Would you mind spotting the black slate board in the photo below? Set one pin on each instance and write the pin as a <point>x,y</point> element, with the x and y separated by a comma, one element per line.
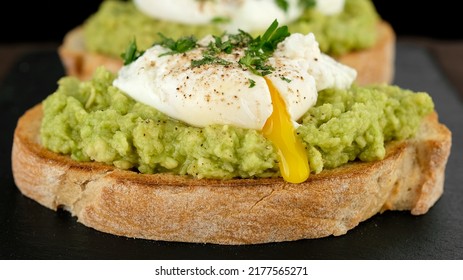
<point>30,231</point>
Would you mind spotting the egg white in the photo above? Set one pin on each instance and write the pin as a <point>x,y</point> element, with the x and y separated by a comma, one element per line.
<point>248,15</point>
<point>218,94</point>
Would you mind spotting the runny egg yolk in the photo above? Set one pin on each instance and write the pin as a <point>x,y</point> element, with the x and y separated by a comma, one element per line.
<point>294,165</point>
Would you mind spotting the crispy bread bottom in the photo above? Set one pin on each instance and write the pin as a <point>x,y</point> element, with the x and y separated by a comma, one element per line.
<point>240,211</point>
<point>374,65</point>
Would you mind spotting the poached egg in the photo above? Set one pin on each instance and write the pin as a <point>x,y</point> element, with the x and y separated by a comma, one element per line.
<point>227,94</point>
<point>249,15</point>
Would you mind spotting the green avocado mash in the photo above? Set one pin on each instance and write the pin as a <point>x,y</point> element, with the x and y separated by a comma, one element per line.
<point>117,23</point>
<point>92,120</point>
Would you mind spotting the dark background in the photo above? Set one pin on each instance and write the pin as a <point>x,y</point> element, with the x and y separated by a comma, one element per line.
<point>391,235</point>
<point>48,21</point>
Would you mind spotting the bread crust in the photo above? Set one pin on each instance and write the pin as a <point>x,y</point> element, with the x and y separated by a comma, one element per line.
<point>79,62</point>
<point>240,211</point>
<point>376,64</point>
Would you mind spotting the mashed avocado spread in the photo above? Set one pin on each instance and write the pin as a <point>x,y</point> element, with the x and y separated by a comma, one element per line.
<point>117,23</point>
<point>93,120</point>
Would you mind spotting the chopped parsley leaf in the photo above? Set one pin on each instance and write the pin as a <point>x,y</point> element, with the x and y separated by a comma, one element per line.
<point>282,4</point>
<point>252,83</point>
<point>220,20</point>
<point>131,53</point>
<point>181,45</point>
<point>208,59</point>
<point>285,79</point>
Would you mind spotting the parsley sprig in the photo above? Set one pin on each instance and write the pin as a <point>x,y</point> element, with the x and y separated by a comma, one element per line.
<point>131,53</point>
<point>261,48</point>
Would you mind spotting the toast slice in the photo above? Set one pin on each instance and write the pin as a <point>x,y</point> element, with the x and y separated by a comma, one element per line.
<point>239,211</point>
<point>80,63</point>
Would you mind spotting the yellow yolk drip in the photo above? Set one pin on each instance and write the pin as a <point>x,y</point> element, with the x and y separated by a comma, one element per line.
<point>279,129</point>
